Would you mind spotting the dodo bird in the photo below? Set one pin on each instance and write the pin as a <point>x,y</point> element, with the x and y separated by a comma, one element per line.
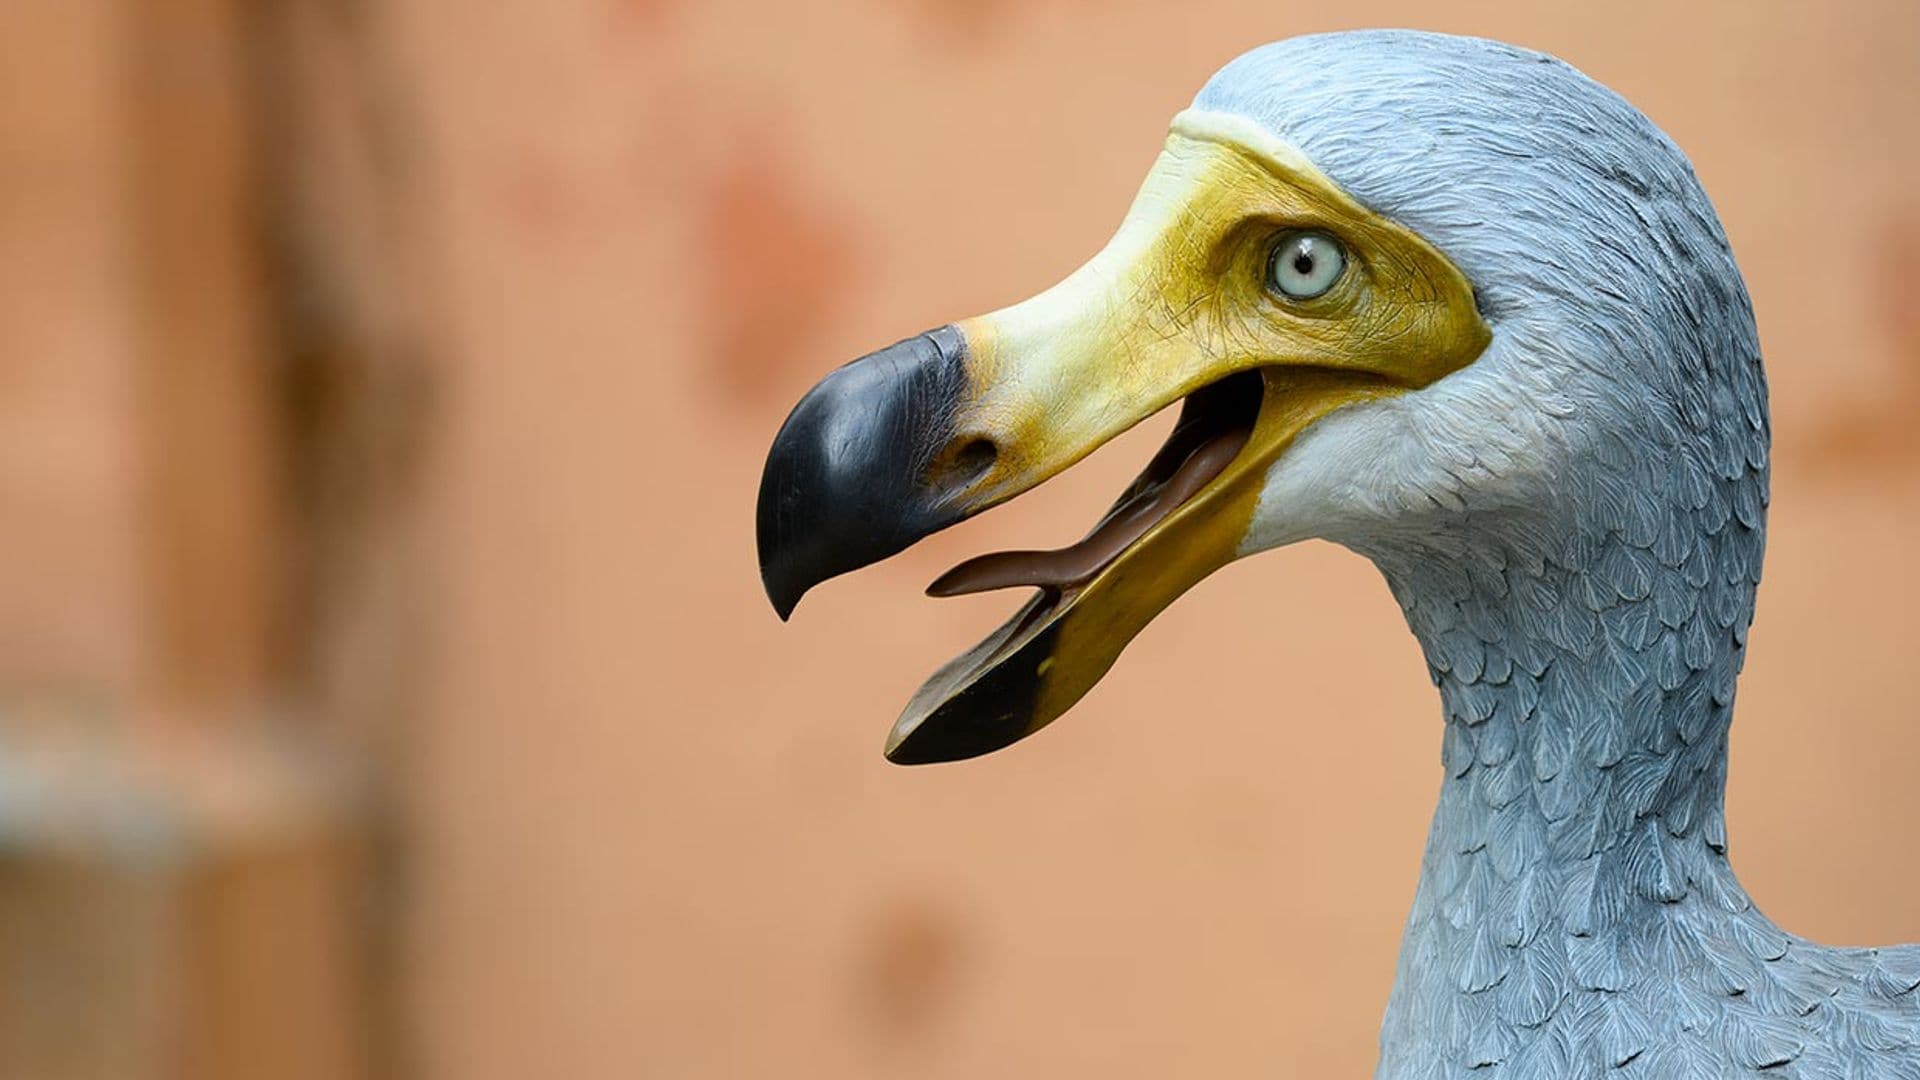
<point>1459,308</point>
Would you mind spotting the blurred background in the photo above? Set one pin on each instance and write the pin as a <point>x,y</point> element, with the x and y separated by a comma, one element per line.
<point>386,690</point>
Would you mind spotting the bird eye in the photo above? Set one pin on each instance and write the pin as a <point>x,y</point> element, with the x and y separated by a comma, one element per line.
<point>1305,265</point>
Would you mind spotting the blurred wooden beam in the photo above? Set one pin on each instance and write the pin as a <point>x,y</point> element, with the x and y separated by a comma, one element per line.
<point>210,521</point>
<point>206,416</point>
<point>182,910</point>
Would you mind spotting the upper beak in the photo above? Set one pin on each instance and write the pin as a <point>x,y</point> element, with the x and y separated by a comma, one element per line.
<point>926,432</point>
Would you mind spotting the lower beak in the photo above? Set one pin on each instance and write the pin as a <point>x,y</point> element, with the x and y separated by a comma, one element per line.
<point>1183,518</point>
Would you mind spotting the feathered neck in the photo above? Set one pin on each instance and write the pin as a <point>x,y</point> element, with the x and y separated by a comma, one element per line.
<point>1579,840</point>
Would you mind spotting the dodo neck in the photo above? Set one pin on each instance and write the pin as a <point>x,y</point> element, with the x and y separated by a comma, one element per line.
<point>1591,697</point>
<point>1587,700</point>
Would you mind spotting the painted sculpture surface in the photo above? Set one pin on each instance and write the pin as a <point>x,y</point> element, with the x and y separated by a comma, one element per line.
<point>1454,306</point>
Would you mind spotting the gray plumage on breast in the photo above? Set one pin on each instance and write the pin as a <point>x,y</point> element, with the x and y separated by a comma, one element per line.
<point>1582,584</point>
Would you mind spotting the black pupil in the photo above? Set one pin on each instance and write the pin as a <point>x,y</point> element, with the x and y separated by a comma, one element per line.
<point>1303,261</point>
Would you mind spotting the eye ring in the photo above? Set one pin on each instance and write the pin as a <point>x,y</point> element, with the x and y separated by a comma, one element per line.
<point>1305,264</point>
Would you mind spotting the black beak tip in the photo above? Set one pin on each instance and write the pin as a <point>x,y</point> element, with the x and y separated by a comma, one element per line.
<point>906,754</point>
<point>784,581</point>
<point>845,483</point>
<point>992,712</point>
<point>791,520</point>
<point>782,595</point>
<point>926,751</point>
<point>972,725</point>
<point>939,743</point>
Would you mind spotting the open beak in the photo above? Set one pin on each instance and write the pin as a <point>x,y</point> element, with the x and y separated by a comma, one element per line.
<point>1177,308</point>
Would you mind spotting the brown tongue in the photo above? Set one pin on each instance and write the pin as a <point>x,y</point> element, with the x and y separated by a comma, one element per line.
<point>1128,522</point>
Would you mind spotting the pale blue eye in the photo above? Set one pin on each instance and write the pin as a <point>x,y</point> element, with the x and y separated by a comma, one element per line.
<point>1305,265</point>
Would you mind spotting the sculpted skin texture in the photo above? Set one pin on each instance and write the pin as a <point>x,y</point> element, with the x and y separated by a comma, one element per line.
<point>1462,310</point>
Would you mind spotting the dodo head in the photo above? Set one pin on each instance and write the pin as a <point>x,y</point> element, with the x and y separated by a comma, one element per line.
<point>1415,293</point>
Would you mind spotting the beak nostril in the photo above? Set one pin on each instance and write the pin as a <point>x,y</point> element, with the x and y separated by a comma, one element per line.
<point>976,458</point>
<point>969,462</point>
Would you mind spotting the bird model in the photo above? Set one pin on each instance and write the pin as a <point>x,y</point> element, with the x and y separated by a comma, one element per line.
<point>1462,310</point>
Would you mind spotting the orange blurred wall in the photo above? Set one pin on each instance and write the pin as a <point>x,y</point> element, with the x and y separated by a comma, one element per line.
<point>658,838</point>
<point>578,257</point>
